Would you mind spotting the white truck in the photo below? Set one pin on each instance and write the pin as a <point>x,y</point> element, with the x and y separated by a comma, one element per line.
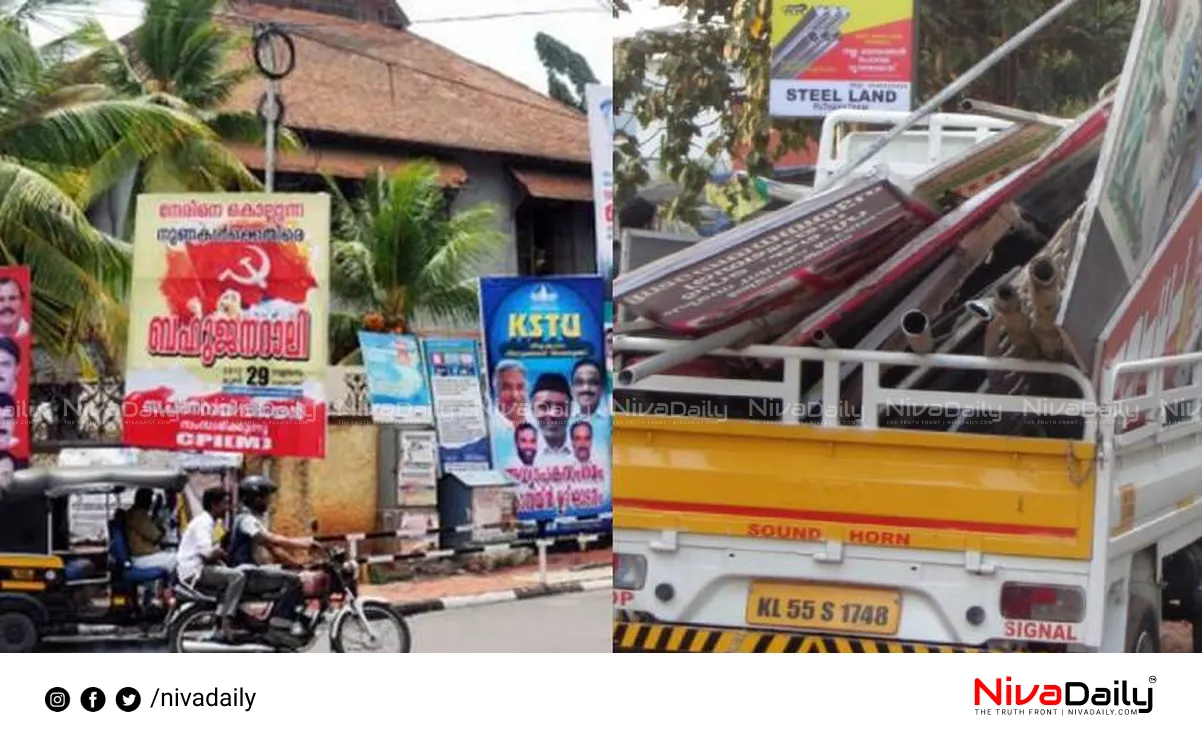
<point>786,536</point>
<point>749,518</point>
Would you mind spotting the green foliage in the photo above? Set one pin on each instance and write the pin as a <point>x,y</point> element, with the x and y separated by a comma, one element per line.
<point>568,72</point>
<point>83,112</point>
<point>52,129</point>
<point>180,58</point>
<point>715,68</point>
<point>1059,72</point>
<point>400,253</point>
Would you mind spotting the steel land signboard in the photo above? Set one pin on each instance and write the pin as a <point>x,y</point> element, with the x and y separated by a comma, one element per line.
<point>751,266</point>
<point>853,54</point>
<point>228,324</point>
<point>1150,162</point>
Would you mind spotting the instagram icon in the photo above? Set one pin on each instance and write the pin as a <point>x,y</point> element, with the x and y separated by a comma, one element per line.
<point>57,699</point>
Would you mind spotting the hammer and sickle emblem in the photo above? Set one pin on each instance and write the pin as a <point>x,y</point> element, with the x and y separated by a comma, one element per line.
<point>255,275</point>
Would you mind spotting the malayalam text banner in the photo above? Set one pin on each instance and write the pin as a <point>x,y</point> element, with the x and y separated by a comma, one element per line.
<point>549,415</point>
<point>228,324</point>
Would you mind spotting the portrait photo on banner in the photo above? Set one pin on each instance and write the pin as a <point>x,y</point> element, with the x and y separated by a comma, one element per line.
<point>16,347</point>
<point>549,411</point>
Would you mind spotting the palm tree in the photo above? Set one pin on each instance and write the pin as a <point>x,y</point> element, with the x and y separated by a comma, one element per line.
<point>399,254</point>
<point>53,129</point>
<point>180,58</point>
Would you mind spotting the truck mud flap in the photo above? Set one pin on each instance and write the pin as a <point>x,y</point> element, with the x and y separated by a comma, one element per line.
<point>632,637</point>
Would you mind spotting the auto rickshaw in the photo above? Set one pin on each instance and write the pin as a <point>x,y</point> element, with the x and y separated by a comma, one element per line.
<point>52,588</point>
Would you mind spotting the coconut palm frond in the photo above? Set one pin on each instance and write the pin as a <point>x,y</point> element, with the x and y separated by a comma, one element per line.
<point>78,273</point>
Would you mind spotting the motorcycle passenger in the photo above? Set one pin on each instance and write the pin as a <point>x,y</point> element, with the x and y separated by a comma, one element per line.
<point>198,564</point>
<point>260,554</point>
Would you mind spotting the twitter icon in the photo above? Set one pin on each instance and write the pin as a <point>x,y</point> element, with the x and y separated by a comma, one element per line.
<point>128,699</point>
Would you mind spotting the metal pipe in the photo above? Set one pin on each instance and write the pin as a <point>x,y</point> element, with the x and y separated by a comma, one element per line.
<point>1045,300</point>
<point>1006,113</point>
<point>825,43</point>
<point>982,308</point>
<point>801,48</point>
<point>960,335</point>
<point>1008,307</point>
<point>957,85</point>
<point>795,37</point>
<point>634,326</point>
<point>678,355</point>
<point>917,328</point>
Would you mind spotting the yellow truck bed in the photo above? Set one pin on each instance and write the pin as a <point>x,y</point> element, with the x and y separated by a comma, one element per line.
<point>888,488</point>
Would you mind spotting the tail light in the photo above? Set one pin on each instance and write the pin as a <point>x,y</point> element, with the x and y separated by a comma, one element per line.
<point>630,572</point>
<point>1043,603</point>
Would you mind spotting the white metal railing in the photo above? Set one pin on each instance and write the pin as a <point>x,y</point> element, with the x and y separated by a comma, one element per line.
<point>1131,419</point>
<point>874,395</point>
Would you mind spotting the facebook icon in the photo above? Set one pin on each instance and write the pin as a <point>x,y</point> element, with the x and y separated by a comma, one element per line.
<point>92,699</point>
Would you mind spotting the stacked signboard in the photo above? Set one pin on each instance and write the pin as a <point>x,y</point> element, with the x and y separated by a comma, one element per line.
<point>1072,243</point>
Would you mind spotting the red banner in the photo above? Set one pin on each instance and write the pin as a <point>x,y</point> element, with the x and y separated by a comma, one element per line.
<point>16,345</point>
<point>1162,316</point>
<point>227,347</point>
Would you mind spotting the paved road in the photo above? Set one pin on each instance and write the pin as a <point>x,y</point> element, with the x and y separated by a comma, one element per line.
<point>575,622</point>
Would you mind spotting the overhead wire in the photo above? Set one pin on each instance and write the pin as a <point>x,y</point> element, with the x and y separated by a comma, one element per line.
<point>306,30</point>
<point>84,14</point>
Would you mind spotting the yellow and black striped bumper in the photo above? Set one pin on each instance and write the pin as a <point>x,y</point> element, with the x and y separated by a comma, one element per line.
<point>635,637</point>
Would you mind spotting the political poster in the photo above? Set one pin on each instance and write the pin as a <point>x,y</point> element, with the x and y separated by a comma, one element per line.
<point>396,379</point>
<point>16,347</point>
<point>855,54</point>
<point>549,411</point>
<point>228,324</point>
<point>600,101</point>
<point>459,419</point>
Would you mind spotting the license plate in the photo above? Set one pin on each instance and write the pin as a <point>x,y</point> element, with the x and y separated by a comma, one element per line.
<point>821,607</point>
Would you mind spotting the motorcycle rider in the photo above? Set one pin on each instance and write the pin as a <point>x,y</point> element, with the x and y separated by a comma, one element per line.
<point>200,557</point>
<point>261,554</point>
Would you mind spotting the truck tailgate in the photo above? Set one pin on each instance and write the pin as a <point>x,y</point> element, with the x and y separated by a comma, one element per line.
<point>885,488</point>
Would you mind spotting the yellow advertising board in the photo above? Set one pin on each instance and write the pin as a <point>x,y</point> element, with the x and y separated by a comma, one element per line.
<point>228,324</point>
<point>854,54</point>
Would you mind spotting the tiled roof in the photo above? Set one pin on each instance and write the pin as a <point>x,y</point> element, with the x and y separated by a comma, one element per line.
<point>543,185</point>
<point>340,162</point>
<point>383,83</point>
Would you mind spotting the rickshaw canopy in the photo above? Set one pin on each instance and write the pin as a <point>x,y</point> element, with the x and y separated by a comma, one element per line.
<point>58,481</point>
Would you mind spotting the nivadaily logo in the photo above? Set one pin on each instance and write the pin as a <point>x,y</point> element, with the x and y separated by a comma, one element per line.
<point>1068,698</point>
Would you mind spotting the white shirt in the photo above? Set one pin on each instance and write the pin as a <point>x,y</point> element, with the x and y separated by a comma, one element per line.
<point>552,456</point>
<point>602,410</point>
<point>195,547</point>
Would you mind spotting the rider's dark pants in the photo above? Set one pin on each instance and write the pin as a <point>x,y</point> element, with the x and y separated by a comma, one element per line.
<point>269,579</point>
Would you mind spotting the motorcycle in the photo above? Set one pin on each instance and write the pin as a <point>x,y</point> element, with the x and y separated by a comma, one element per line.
<point>193,624</point>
